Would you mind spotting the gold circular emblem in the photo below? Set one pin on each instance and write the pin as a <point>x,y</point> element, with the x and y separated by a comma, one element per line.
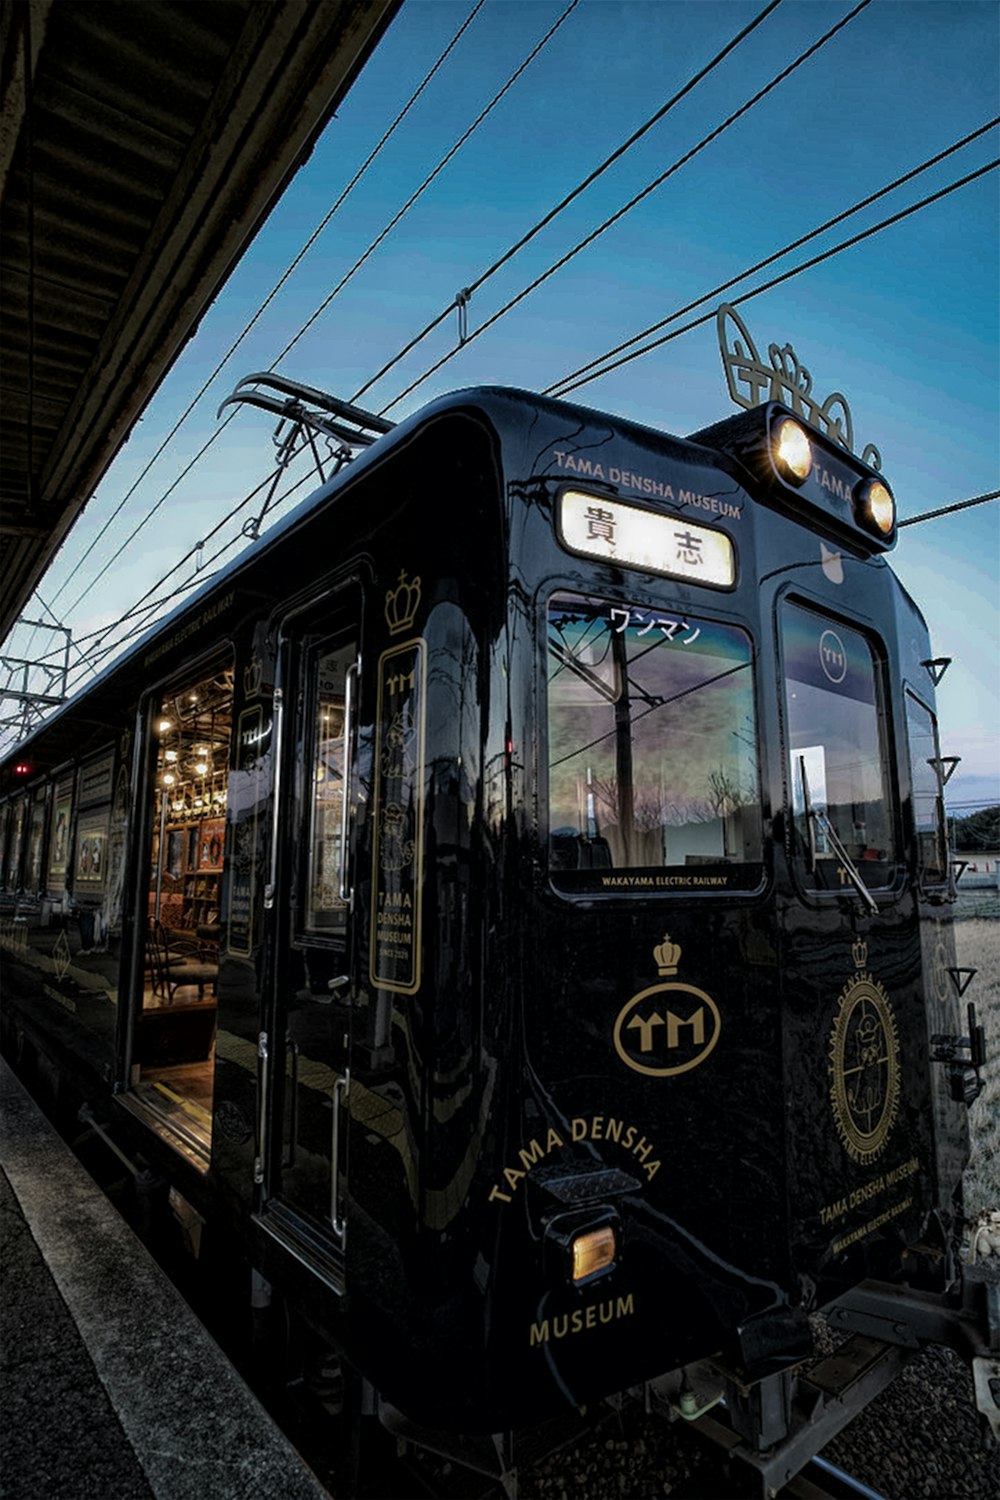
<point>864,1068</point>
<point>667,1029</point>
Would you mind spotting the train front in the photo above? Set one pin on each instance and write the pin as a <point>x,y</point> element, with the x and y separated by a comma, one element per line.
<point>698,886</point>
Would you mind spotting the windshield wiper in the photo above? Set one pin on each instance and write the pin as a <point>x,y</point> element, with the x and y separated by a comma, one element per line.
<point>822,821</point>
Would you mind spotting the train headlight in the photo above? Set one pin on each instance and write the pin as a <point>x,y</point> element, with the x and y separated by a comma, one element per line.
<point>874,507</point>
<point>592,1251</point>
<point>792,451</point>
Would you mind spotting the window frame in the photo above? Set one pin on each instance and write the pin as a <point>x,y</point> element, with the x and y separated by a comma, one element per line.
<point>671,881</point>
<point>940,821</point>
<point>805,878</point>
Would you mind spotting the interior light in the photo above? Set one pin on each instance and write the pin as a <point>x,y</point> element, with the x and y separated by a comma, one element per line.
<point>876,507</point>
<point>164,726</point>
<point>171,755</point>
<point>793,451</point>
<point>201,767</point>
<point>168,779</point>
<point>593,1251</point>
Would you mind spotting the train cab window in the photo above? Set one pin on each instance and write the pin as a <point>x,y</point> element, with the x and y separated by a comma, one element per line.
<point>928,803</point>
<point>652,749</point>
<point>331,672</point>
<point>841,812</point>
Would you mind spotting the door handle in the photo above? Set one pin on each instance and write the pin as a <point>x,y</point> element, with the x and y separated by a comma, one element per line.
<point>340,1092</point>
<point>262,1082</point>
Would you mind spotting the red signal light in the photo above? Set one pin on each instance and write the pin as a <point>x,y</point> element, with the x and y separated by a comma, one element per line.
<point>22,768</point>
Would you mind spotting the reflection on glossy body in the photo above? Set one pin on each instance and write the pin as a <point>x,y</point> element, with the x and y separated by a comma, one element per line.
<point>557,896</point>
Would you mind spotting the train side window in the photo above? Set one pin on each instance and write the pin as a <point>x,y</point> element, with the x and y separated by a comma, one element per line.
<point>330,672</point>
<point>841,810</point>
<point>652,749</point>
<point>928,802</point>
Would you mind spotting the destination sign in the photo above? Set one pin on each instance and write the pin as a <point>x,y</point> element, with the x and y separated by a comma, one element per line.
<point>594,526</point>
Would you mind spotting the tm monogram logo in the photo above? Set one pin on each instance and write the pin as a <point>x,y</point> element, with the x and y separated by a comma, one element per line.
<point>832,656</point>
<point>668,1028</point>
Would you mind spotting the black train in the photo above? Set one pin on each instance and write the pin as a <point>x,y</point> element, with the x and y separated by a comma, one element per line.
<point>511,907</point>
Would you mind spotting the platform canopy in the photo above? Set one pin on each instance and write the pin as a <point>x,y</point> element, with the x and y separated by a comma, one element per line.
<point>142,143</point>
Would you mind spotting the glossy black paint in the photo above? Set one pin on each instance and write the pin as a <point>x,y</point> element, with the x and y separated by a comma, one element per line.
<point>489,1114</point>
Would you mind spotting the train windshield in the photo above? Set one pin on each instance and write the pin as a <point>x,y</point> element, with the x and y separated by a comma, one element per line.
<point>652,749</point>
<point>842,815</point>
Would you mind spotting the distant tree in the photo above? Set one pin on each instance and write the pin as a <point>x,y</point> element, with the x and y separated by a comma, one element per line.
<point>980,830</point>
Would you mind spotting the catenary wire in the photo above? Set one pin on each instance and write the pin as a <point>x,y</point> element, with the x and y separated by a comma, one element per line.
<point>788,275</point>
<point>524,240</point>
<point>430,178</point>
<point>796,244</point>
<point>274,291</point>
<point>204,575</point>
<point>219,430</point>
<point>413,198</point>
<point>581,187</point>
<point>947,510</point>
<point>201,576</point>
<point>148,609</point>
<point>794,271</point>
<point>785,276</point>
<point>650,187</point>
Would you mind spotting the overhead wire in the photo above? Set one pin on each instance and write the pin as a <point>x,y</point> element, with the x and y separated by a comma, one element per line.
<point>477,7</point>
<point>432,175</point>
<point>413,198</point>
<point>581,187</point>
<point>795,244</point>
<point>604,369</point>
<point>632,203</point>
<point>947,510</point>
<point>148,610</point>
<point>785,275</point>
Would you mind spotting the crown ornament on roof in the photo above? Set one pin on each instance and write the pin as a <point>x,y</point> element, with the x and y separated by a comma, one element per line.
<point>401,604</point>
<point>783,379</point>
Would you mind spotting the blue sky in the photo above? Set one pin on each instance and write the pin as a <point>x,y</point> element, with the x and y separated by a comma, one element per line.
<point>905,323</point>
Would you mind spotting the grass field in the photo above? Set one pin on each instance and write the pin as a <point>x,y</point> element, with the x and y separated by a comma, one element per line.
<point>977,941</point>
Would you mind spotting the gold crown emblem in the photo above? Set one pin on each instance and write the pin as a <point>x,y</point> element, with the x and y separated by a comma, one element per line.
<point>859,953</point>
<point>253,676</point>
<point>667,955</point>
<point>401,604</point>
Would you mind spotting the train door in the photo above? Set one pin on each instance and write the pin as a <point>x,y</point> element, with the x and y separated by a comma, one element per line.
<point>172,1060</point>
<point>307,1042</point>
<point>855,1048</point>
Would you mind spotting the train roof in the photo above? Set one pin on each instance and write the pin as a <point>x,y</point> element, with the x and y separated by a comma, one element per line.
<point>497,404</point>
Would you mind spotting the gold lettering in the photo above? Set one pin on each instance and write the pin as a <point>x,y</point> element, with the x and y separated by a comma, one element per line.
<point>532,1156</point>
<point>581,1320</point>
<point>675,1023</point>
<point>646,1030</point>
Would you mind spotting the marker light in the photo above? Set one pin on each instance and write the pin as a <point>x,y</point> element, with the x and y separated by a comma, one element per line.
<point>593,1251</point>
<point>792,451</point>
<point>875,508</point>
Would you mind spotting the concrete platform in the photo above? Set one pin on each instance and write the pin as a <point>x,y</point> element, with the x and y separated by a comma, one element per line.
<point>110,1387</point>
